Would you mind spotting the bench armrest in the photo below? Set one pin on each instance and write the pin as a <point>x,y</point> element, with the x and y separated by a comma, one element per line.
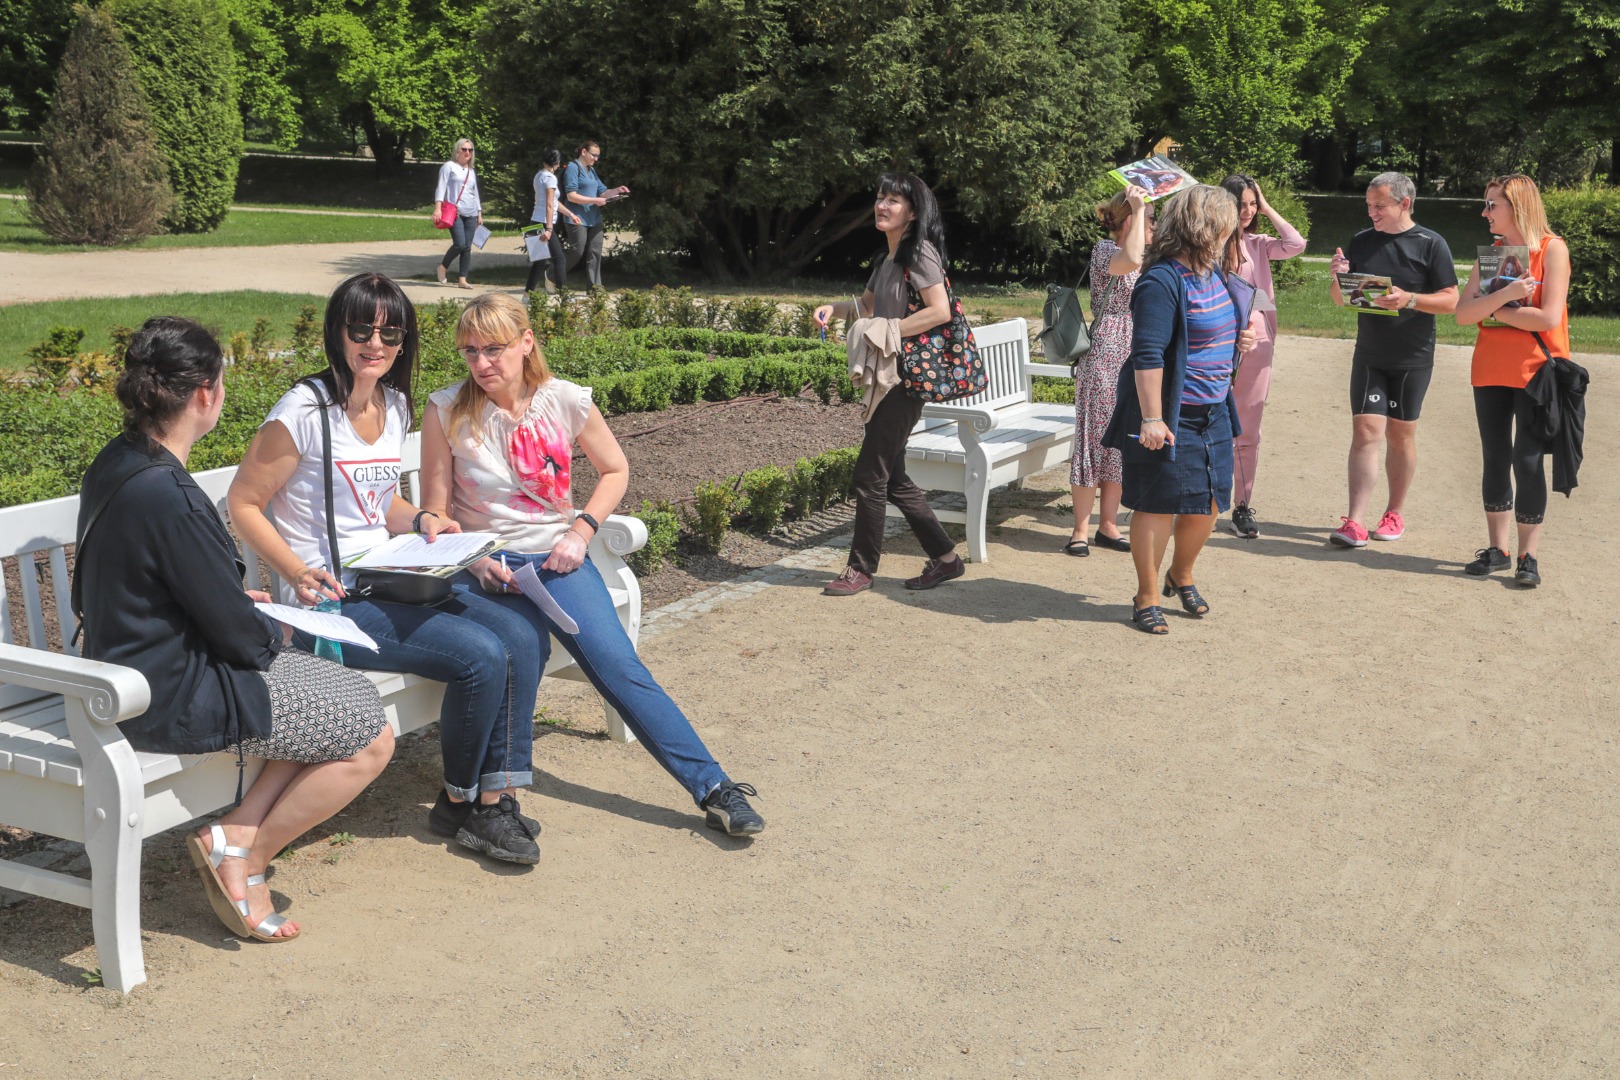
<point>622,534</point>
<point>982,421</point>
<point>1056,371</point>
<point>110,693</point>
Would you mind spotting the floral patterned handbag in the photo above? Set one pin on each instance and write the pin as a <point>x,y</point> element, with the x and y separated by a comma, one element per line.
<point>941,364</point>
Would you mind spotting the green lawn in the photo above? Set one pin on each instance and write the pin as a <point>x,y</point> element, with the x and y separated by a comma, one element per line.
<point>239,230</point>
<point>24,325</point>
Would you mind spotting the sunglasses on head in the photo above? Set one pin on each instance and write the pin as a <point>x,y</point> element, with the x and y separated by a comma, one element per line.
<point>360,333</point>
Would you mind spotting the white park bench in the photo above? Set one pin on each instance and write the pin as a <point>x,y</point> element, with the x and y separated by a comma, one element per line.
<point>66,769</point>
<point>991,439</point>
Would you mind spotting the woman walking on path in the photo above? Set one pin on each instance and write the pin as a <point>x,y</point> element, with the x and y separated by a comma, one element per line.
<point>907,215</point>
<point>1114,267</point>
<point>585,190</point>
<point>365,392</point>
<point>495,457</point>
<point>1252,384</point>
<point>547,209</point>
<point>162,592</point>
<point>458,183</point>
<point>1525,321</point>
<point>1176,417</point>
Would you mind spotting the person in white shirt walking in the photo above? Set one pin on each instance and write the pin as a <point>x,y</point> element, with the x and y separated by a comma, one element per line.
<point>458,183</point>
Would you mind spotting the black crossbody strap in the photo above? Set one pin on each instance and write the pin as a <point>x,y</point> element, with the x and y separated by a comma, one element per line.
<point>1539,341</point>
<point>326,463</point>
<point>78,544</point>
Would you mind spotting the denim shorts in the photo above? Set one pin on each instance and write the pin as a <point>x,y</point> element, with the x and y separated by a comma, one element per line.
<point>1201,473</point>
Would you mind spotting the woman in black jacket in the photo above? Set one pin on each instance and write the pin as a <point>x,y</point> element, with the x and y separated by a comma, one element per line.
<point>162,593</point>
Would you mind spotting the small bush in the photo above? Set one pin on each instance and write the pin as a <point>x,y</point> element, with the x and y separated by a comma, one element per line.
<point>710,516</point>
<point>663,532</point>
<point>753,315</point>
<point>306,336</point>
<point>765,494</point>
<point>798,322</point>
<point>805,496</point>
<point>98,176</point>
<point>1589,221</point>
<point>632,309</point>
<point>598,312</point>
<point>837,474</point>
<point>677,307</point>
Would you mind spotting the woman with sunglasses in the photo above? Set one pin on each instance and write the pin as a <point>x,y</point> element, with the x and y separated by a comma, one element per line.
<point>365,391</point>
<point>458,183</point>
<point>496,454</point>
<point>1521,325</point>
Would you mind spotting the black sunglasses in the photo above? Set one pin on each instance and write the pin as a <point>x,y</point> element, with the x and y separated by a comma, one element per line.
<point>360,333</point>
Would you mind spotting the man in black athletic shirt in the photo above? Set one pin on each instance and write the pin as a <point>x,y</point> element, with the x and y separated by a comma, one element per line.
<point>1394,356</point>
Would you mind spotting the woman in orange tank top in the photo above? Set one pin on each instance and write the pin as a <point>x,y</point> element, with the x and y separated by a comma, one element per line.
<point>1506,356</point>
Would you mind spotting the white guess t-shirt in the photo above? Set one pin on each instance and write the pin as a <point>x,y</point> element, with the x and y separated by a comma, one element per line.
<point>514,479</point>
<point>365,477</point>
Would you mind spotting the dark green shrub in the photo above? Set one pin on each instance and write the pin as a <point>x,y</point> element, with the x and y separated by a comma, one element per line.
<point>185,62</point>
<point>804,496</point>
<point>632,309</point>
<point>663,532</point>
<point>799,321</point>
<point>58,341</point>
<point>765,494</point>
<point>752,315</point>
<point>726,382</point>
<point>598,312</point>
<point>677,307</point>
<point>98,175</point>
<point>837,474</point>
<point>306,336</point>
<point>1589,221</point>
<point>710,515</point>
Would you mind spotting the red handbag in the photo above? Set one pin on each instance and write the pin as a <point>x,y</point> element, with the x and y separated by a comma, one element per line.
<point>446,217</point>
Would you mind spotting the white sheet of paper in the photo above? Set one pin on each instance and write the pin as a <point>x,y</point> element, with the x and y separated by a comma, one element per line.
<point>411,550</point>
<point>320,623</point>
<point>480,237</point>
<point>529,583</point>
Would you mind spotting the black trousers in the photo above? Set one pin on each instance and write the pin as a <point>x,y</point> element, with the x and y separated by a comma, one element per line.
<point>1514,457</point>
<point>880,478</point>
<point>557,264</point>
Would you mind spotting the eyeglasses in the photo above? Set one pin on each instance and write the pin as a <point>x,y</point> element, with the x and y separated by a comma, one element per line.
<point>360,333</point>
<point>470,353</point>
<point>1491,204</point>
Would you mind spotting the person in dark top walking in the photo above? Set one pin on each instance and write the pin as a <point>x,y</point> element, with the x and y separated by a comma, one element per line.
<point>161,592</point>
<point>1394,357</point>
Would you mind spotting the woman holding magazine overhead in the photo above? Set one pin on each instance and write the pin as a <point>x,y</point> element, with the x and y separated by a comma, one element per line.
<point>365,393</point>
<point>496,455</point>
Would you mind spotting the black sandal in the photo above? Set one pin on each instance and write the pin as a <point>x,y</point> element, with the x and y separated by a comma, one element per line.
<point>1078,548</point>
<point>1112,543</point>
<point>1149,619</point>
<point>1191,602</point>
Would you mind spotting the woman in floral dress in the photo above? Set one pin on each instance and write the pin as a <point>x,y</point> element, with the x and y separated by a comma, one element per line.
<point>1114,266</point>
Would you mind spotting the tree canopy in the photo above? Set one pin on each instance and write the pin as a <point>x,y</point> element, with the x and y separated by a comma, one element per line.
<point>753,129</point>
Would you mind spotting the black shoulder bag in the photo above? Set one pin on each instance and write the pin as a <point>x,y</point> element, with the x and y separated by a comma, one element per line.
<point>389,586</point>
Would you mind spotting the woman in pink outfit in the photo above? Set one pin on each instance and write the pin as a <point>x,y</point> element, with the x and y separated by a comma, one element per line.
<point>1252,383</point>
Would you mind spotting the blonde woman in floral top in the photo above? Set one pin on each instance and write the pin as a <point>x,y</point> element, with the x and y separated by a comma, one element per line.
<point>497,450</point>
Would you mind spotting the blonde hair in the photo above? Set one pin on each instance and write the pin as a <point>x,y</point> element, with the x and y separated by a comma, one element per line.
<point>492,318</point>
<point>1112,214</point>
<point>1524,198</point>
<point>1194,227</point>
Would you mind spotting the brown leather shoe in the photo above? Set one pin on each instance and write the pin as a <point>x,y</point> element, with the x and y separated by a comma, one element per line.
<point>936,572</point>
<point>850,582</point>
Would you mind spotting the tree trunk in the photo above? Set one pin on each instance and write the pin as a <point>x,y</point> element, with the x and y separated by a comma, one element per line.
<point>387,147</point>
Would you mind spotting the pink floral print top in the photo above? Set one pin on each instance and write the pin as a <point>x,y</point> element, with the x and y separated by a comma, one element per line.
<point>514,478</point>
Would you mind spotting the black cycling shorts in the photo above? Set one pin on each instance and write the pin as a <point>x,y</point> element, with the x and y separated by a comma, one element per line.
<point>1395,394</point>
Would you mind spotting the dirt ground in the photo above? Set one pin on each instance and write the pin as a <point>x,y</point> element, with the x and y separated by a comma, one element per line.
<point>1359,821</point>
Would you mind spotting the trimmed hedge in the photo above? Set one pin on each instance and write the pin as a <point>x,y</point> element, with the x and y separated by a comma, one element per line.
<point>1589,221</point>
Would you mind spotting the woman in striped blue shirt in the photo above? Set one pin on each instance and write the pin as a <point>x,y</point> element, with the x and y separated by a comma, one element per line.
<point>1176,418</point>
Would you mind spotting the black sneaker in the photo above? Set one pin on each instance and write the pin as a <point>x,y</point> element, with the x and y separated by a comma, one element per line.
<point>1488,560</point>
<point>446,818</point>
<point>726,809</point>
<point>1243,525</point>
<point>1529,574</point>
<point>499,831</point>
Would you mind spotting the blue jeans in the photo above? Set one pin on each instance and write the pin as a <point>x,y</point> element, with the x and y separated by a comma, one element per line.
<point>604,653</point>
<point>461,238</point>
<point>486,725</point>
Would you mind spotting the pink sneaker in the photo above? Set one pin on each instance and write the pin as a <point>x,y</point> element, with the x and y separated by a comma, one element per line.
<point>1350,534</point>
<point>1390,527</point>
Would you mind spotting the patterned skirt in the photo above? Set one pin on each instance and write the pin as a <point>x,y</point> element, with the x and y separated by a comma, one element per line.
<point>319,711</point>
<point>1095,388</point>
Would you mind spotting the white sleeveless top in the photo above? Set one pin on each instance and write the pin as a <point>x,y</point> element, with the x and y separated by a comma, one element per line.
<point>514,480</point>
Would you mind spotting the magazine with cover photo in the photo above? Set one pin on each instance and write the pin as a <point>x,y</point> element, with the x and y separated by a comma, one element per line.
<point>1359,290</point>
<point>1156,175</point>
<point>1499,266</point>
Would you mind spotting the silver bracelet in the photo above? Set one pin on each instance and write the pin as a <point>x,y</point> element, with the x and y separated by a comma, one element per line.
<point>1153,420</point>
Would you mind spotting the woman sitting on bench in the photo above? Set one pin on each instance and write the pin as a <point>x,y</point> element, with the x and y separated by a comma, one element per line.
<point>162,593</point>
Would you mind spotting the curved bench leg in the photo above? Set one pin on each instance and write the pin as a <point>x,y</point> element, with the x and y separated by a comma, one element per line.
<point>977,496</point>
<point>114,801</point>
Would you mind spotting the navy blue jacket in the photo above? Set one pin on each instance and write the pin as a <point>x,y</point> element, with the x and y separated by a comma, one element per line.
<point>1159,332</point>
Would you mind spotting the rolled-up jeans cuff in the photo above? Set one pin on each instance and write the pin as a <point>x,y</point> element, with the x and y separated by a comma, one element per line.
<point>463,793</point>
<point>502,781</point>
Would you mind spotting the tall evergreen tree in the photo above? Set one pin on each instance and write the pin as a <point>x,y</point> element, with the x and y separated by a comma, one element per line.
<point>98,176</point>
<point>186,65</point>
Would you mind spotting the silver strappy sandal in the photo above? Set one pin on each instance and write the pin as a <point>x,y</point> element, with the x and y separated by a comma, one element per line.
<point>233,913</point>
